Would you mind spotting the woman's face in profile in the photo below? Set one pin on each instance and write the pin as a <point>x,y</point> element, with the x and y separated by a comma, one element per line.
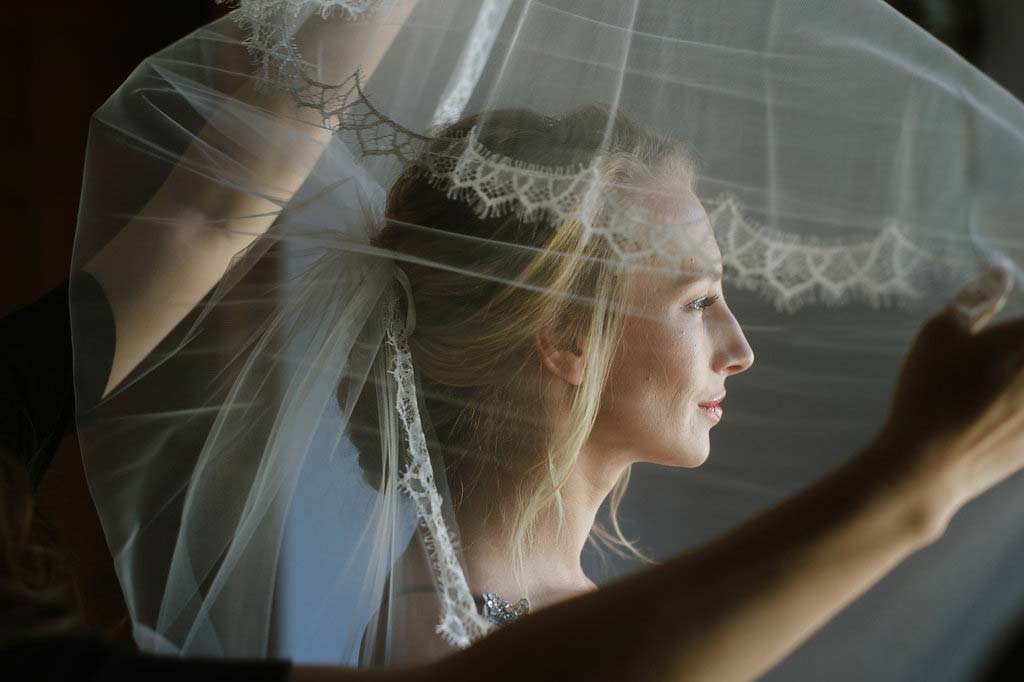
<point>680,342</point>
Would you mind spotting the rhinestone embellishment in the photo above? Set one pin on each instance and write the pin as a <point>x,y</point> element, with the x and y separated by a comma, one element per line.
<point>502,612</point>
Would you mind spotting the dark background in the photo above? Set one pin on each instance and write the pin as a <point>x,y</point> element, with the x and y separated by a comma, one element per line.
<point>64,59</point>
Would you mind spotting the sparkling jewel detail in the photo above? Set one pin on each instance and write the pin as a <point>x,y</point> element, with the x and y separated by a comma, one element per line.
<point>501,611</point>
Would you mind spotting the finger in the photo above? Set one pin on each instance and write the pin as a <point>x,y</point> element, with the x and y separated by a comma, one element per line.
<point>1004,344</point>
<point>977,303</point>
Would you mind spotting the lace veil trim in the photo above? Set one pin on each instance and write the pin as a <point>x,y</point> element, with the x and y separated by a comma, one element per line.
<point>460,622</point>
<point>789,270</point>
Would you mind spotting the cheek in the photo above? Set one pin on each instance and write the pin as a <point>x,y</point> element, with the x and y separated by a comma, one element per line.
<point>649,407</point>
<point>656,367</point>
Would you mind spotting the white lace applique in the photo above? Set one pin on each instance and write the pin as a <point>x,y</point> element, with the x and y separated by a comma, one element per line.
<point>461,623</point>
<point>495,185</point>
<point>344,107</point>
<point>793,271</point>
<point>271,26</point>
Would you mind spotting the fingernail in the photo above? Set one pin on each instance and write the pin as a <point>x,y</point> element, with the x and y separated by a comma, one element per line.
<point>992,283</point>
<point>998,281</point>
<point>977,297</point>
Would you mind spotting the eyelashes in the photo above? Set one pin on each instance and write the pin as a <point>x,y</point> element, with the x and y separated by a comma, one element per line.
<point>703,303</point>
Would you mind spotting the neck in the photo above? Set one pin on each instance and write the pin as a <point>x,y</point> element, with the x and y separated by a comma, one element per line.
<point>552,568</point>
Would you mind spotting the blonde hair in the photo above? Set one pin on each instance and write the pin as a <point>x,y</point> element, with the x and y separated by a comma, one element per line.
<point>484,288</point>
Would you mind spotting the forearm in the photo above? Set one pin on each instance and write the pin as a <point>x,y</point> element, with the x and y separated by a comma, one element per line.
<point>732,609</point>
<point>167,258</point>
<point>750,598</point>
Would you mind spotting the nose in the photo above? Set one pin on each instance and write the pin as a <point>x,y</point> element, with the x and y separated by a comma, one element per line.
<point>734,354</point>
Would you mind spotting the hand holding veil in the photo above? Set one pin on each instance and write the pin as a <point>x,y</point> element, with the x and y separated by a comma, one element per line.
<point>331,231</point>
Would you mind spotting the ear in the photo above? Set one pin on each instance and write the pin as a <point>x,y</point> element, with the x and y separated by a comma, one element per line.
<point>559,357</point>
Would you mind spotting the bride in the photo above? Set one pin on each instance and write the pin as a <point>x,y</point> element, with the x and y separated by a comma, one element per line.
<point>495,347</point>
<point>539,402</point>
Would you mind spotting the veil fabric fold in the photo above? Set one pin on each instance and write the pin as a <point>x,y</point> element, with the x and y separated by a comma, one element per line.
<point>854,172</point>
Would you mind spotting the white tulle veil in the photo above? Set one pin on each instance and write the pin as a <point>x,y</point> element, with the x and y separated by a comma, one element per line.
<point>853,169</point>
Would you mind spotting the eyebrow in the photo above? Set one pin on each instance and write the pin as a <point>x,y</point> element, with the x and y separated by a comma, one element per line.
<point>714,274</point>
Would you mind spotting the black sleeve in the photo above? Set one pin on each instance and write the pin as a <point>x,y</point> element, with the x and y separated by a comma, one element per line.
<point>166,669</point>
<point>90,659</point>
<point>37,397</point>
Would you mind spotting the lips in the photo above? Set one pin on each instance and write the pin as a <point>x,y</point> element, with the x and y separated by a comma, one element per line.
<point>713,408</point>
<point>713,403</point>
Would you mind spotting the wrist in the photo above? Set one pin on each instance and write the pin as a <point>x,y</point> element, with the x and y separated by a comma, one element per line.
<point>919,494</point>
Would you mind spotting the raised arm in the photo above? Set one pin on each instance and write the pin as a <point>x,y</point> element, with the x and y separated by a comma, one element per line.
<point>727,611</point>
<point>153,276</point>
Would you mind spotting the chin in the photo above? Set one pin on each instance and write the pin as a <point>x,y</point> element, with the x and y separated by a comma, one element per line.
<point>694,460</point>
<point>689,456</point>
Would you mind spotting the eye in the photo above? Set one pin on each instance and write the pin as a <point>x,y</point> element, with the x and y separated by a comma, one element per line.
<point>703,303</point>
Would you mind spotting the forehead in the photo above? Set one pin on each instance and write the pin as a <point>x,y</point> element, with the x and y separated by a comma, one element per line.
<point>688,249</point>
